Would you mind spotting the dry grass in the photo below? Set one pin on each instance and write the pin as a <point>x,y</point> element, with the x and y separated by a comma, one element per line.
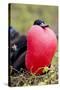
<point>24,78</point>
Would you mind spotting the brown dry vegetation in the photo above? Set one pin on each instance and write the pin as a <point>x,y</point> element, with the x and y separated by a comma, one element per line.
<point>24,78</point>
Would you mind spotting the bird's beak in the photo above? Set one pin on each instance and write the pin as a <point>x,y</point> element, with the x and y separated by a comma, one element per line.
<point>43,25</point>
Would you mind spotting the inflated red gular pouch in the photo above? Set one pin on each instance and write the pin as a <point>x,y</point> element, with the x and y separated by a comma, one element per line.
<point>41,47</point>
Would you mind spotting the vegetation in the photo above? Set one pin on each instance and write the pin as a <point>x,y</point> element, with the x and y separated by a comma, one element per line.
<point>24,78</point>
<point>22,16</point>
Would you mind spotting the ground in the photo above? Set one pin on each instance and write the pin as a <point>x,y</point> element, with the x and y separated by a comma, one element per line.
<point>24,78</point>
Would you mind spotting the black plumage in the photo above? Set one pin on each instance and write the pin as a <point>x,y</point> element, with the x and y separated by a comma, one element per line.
<point>40,23</point>
<point>17,48</point>
<point>20,62</point>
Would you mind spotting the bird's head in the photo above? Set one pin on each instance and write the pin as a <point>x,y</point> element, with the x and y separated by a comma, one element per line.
<point>40,23</point>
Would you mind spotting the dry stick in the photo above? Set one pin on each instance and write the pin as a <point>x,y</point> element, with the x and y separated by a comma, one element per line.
<point>15,70</point>
<point>37,69</point>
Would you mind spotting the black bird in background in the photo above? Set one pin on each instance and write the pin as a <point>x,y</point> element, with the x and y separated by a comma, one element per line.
<point>18,46</point>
